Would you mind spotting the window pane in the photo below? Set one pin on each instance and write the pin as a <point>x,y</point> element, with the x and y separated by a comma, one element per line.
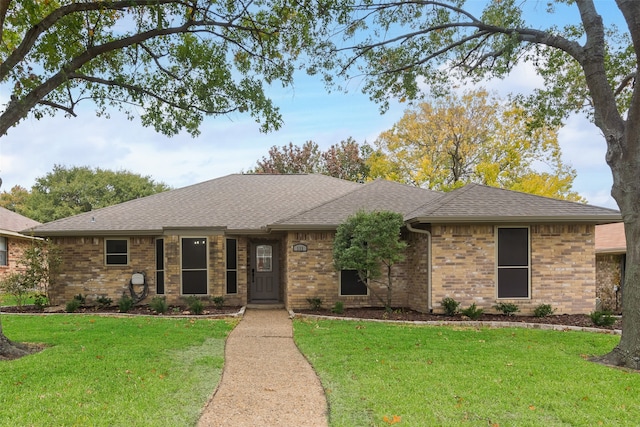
<point>513,283</point>
<point>350,283</point>
<point>117,259</point>
<point>263,258</point>
<point>232,282</point>
<point>117,246</point>
<point>3,243</point>
<point>194,253</point>
<point>159,282</point>
<point>3,258</point>
<point>194,282</point>
<point>160,254</point>
<point>232,258</point>
<point>513,247</point>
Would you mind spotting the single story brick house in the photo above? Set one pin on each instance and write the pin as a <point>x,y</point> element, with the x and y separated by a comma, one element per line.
<point>268,238</point>
<point>611,259</point>
<point>12,242</point>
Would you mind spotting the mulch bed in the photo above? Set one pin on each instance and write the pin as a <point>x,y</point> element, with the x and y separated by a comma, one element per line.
<point>138,309</point>
<point>579,320</point>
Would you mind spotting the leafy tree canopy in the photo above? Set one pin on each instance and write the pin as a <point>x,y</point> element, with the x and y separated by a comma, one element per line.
<point>346,160</point>
<point>454,140</point>
<point>173,62</point>
<point>70,191</point>
<point>369,242</point>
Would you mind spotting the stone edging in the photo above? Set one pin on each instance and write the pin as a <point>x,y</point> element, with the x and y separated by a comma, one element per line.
<point>469,323</point>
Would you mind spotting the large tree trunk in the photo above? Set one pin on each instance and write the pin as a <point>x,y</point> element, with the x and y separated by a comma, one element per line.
<point>626,191</point>
<point>10,350</point>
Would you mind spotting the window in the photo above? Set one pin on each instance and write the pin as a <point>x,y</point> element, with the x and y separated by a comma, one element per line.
<point>159,266</point>
<point>232,266</point>
<point>264,256</point>
<point>194,266</point>
<point>513,262</point>
<point>4,259</point>
<point>117,251</point>
<point>350,283</point>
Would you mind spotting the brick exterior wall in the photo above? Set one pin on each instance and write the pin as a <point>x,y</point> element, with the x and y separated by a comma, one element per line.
<point>608,278</point>
<point>562,267</point>
<point>83,269</point>
<point>15,250</point>
<point>563,270</point>
<point>311,275</point>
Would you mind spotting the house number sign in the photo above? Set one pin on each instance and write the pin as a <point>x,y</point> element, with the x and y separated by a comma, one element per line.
<point>299,248</point>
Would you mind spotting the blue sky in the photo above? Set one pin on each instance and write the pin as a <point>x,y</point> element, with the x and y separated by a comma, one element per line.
<point>233,144</point>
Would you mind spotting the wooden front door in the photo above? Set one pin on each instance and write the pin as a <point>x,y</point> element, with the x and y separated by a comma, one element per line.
<point>265,277</point>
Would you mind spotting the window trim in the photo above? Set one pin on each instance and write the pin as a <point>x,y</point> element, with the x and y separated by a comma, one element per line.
<point>206,268</point>
<point>498,267</point>
<point>127,253</point>
<point>350,295</point>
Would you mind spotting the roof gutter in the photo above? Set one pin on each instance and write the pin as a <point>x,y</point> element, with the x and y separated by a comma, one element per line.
<point>428,234</point>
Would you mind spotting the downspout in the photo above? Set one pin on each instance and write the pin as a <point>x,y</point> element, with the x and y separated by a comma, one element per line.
<point>428,233</point>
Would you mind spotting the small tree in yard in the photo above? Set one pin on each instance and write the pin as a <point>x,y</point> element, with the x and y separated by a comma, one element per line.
<point>369,242</point>
<point>41,260</point>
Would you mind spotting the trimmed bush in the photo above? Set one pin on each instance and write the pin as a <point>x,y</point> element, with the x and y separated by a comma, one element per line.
<point>472,312</point>
<point>450,306</point>
<point>543,310</point>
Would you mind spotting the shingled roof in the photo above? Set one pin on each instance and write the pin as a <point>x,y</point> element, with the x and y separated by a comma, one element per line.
<point>259,203</point>
<point>239,203</point>
<point>610,239</point>
<point>378,195</point>
<point>12,223</point>
<point>480,203</point>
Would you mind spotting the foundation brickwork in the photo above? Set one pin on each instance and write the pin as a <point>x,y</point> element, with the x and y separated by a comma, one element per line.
<point>562,267</point>
<point>609,281</point>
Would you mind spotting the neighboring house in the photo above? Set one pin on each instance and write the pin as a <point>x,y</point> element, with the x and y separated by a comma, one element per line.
<point>269,238</point>
<point>12,243</point>
<point>611,258</point>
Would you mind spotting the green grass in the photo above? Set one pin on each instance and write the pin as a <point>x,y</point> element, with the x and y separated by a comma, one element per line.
<point>9,300</point>
<point>106,371</point>
<point>452,376</point>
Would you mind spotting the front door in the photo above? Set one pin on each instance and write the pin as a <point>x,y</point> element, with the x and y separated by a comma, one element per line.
<point>265,278</point>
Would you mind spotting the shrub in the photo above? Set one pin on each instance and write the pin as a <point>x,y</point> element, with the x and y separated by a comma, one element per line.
<point>218,302</point>
<point>507,308</point>
<point>104,301</point>
<point>80,298</point>
<point>159,304</point>
<point>196,306</point>
<point>602,318</point>
<point>72,306</point>
<point>472,312</point>
<point>40,301</point>
<point>450,306</point>
<point>14,285</point>
<point>125,303</point>
<point>338,307</point>
<point>543,310</point>
<point>315,303</point>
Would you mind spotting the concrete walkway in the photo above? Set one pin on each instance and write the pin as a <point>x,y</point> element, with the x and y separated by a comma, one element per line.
<point>266,381</point>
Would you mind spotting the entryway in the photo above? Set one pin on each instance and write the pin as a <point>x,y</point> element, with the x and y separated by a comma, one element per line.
<point>264,283</point>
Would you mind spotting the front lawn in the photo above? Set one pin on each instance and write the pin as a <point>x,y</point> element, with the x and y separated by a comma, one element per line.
<point>380,374</point>
<point>108,371</point>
